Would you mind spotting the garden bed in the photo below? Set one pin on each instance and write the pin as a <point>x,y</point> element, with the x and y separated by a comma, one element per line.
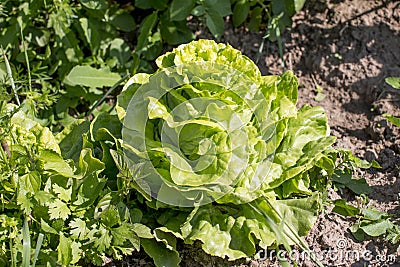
<point>347,48</point>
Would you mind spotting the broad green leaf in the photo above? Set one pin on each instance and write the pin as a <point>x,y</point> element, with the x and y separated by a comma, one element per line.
<point>64,250</point>
<point>298,4</point>
<point>392,119</point>
<point>297,185</point>
<point>94,4</point>
<point>92,29</point>
<point>240,12</point>
<point>124,22</point>
<point>142,230</point>
<point>215,23</point>
<point>125,233</point>
<point>71,145</point>
<point>69,99</point>
<point>357,232</point>
<point>110,217</point>
<point>221,234</point>
<point>358,186</point>
<point>221,7</point>
<point>255,19</point>
<point>145,31</point>
<point>180,9</point>
<point>88,165</point>
<point>342,208</point>
<point>165,237</point>
<point>127,93</point>
<point>47,228</point>
<point>393,81</point>
<point>160,254</point>
<point>298,214</point>
<point>120,51</point>
<point>9,35</point>
<point>376,228</point>
<point>143,4</point>
<point>373,214</point>
<point>175,32</point>
<point>91,77</point>
<point>234,232</point>
<point>159,4</point>
<point>30,182</point>
<point>105,121</point>
<point>89,189</point>
<point>52,162</point>
<point>288,86</point>
<point>198,11</point>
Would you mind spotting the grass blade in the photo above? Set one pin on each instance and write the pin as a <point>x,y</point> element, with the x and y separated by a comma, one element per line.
<point>9,73</point>
<point>26,245</point>
<point>13,255</point>
<point>282,234</point>
<point>37,249</point>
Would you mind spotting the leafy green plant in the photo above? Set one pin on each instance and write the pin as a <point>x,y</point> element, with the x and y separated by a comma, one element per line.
<point>395,83</point>
<point>72,205</point>
<point>370,222</point>
<point>288,150</point>
<point>55,37</point>
<point>375,223</point>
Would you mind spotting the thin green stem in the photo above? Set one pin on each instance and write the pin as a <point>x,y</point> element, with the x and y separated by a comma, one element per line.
<point>95,105</point>
<point>10,76</point>
<point>280,46</point>
<point>260,50</point>
<point>13,255</point>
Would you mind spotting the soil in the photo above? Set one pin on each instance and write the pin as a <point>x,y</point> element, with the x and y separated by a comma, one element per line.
<point>347,48</point>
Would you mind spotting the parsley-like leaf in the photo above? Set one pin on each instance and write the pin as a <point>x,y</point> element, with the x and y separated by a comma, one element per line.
<point>63,194</point>
<point>59,210</point>
<point>79,229</point>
